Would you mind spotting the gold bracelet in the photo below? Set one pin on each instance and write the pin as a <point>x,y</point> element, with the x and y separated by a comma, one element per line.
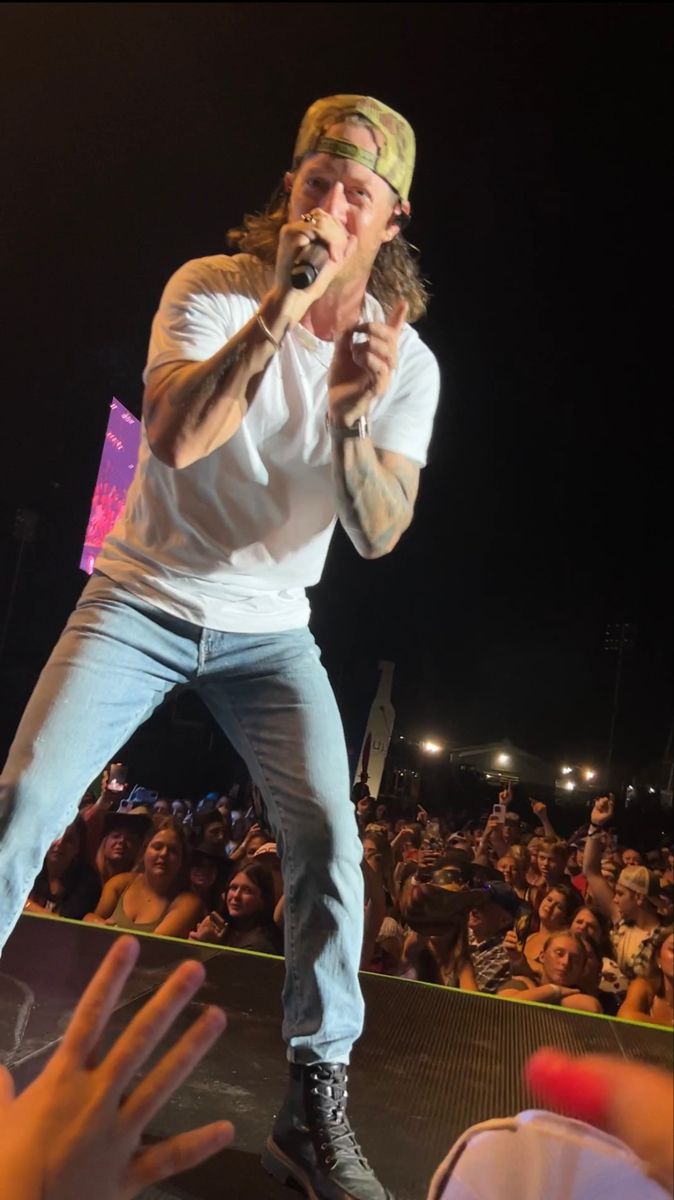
<point>267,331</point>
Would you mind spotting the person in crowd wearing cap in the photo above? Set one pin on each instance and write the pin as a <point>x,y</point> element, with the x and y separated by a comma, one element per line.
<point>633,908</point>
<point>123,834</point>
<point>66,886</point>
<point>155,897</point>
<point>563,962</point>
<point>651,999</point>
<point>491,917</point>
<point>271,410</point>
<point>442,957</point>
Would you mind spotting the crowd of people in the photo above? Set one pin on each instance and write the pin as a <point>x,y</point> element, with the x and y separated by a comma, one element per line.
<point>508,907</point>
<point>501,905</point>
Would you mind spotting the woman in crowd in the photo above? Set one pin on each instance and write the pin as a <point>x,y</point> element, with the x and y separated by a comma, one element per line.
<point>210,829</point>
<point>651,999</point>
<point>590,922</point>
<point>67,886</point>
<point>154,898</point>
<point>555,912</point>
<point>208,875</point>
<point>123,834</point>
<point>562,966</point>
<point>248,919</point>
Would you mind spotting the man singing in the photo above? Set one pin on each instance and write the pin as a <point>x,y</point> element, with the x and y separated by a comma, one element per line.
<point>270,410</point>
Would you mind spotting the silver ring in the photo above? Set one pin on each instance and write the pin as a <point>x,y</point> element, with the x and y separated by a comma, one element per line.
<point>310,218</point>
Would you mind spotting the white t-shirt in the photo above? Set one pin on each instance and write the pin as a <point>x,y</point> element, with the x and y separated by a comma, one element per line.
<point>231,542</point>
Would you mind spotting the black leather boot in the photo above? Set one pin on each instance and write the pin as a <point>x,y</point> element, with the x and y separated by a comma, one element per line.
<point>312,1143</point>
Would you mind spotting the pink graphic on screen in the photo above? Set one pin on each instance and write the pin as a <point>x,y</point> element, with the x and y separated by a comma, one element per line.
<point>115,472</point>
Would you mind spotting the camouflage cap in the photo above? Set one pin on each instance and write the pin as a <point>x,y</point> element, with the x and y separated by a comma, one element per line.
<point>393,161</point>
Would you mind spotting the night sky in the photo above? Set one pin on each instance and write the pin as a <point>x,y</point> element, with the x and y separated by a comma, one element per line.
<point>135,135</point>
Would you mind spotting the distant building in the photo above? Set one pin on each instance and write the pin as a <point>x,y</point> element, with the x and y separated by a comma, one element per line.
<point>502,763</point>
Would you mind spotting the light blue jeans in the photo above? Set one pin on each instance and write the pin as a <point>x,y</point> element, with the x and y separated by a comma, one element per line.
<point>115,662</point>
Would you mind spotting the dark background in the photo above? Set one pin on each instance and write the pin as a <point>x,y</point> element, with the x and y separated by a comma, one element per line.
<point>134,135</point>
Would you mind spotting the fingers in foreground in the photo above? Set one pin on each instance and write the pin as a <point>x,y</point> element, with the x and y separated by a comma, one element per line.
<point>178,1154</point>
<point>632,1101</point>
<point>99,999</point>
<point>176,1065</point>
<point>148,1027</point>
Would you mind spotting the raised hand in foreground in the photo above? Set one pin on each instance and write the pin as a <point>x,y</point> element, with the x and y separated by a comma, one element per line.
<point>76,1130</point>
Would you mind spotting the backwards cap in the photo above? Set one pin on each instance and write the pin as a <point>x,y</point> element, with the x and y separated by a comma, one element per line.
<point>392,161</point>
<point>640,880</point>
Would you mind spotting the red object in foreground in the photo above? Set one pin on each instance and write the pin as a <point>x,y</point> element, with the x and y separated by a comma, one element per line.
<point>570,1085</point>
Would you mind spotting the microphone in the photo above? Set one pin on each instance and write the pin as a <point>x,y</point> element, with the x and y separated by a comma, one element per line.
<point>308,265</point>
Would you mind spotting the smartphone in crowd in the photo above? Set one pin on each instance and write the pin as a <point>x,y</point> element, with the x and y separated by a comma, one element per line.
<point>117,776</point>
<point>499,811</point>
<point>432,840</point>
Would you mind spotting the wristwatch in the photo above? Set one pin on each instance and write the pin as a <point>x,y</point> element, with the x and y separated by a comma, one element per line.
<point>359,429</point>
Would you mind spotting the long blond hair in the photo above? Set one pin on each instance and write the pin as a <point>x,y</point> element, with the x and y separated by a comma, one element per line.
<point>395,273</point>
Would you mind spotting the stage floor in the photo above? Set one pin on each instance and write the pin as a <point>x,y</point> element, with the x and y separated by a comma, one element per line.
<point>432,1061</point>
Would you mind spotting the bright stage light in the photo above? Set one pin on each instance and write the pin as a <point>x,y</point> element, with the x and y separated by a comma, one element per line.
<point>570,787</point>
<point>567,770</point>
<point>503,760</point>
<point>431,747</point>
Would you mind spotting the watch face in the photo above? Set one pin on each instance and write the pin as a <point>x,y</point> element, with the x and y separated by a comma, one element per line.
<point>360,428</point>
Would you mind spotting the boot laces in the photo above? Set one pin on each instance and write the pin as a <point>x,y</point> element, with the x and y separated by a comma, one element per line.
<point>328,1097</point>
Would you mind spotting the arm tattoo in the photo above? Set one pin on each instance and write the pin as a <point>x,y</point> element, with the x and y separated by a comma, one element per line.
<point>209,388</point>
<point>375,503</point>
